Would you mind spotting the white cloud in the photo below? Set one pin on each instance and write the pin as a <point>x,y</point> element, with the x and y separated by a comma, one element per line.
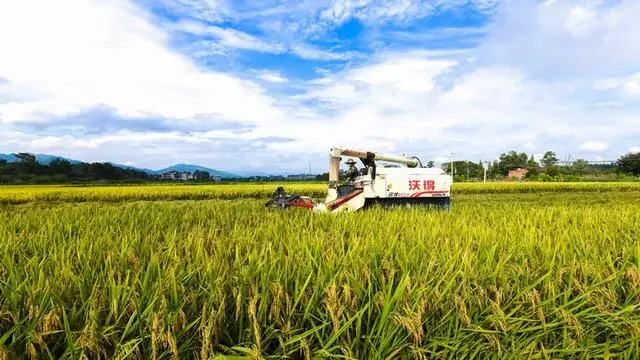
<point>580,20</point>
<point>486,4</point>
<point>96,53</point>
<point>566,38</point>
<point>272,76</point>
<point>373,11</point>
<point>627,85</point>
<point>402,11</point>
<point>109,54</point>
<point>310,52</point>
<point>231,38</point>
<point>206,48</point>
<point>385,82</point>
<point>209,10</point>
<point>331,12</point>
<point>217,149</point>
<point>595,146</point>
<point>45,142</point>
<point>397,102</point>
<point>608,83</point>
<point>632,86</point>
<point>634,149</point>
<point>419,103</point>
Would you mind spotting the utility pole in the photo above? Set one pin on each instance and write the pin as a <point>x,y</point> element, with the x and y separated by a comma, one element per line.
<point>485,164</point>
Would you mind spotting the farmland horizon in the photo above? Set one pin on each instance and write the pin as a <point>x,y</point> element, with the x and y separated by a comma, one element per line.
<point>316,168</point>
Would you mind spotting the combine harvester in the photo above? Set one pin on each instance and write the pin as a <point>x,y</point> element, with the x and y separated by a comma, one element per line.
<point>410,185</point>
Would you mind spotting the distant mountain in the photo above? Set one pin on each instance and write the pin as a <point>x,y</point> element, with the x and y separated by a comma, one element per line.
<point>251,173</point>
<point>129,167</point>
<point>192,168</point>
<point>8,157</point>
<point>46,159</point>
<point>40,158</point>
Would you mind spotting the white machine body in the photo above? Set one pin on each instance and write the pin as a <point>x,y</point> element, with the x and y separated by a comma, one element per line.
<point>405,183</point>
<point>406,186</point>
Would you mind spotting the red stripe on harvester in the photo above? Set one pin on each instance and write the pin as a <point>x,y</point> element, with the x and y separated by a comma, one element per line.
<point>418,194</point>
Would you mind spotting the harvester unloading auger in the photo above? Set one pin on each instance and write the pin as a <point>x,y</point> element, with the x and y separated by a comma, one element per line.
<point>411,185</point>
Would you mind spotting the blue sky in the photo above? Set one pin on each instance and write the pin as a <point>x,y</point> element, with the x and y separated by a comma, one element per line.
<point>272,85</point>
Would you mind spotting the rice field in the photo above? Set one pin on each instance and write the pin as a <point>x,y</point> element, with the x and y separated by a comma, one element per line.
<point>57,193</point>
<point>542,270</point>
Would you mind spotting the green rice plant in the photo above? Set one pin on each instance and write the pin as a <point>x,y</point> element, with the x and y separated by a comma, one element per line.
<point>512,274</point>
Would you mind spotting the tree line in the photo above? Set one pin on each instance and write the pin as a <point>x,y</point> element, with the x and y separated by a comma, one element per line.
<point>547,169</point>
<point>26,170</point>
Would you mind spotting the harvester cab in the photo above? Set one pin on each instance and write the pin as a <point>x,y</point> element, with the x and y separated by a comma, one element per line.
<point>409,185</point>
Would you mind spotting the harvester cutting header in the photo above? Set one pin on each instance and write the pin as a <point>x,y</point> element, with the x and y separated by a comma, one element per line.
<point>410,185</point>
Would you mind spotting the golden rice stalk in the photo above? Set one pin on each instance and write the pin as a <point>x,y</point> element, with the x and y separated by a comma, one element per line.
<point>253,310</point>
<point>334,307</point>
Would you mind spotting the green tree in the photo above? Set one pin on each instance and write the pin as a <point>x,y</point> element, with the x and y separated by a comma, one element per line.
<point>511,160</point>
<point>465,169</point>
<point>59,166</point>
<point>431,164</point>
<point>629,164</point>
<point>549,159</point>
<point>532,162</point>
<point>26,157</point>
<point>201,175</point>
<point>532,174</point>
<point>553,170</point>
<point>494,170</point>
<point>580,167</point>
<point>26,164</point>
